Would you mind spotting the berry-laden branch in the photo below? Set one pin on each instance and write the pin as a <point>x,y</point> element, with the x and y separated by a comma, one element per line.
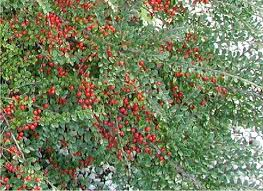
<point>230,75</point>
<point>14,139</point>
<point>183,173</point>
<point>125,157</point>
<point>259,87</point>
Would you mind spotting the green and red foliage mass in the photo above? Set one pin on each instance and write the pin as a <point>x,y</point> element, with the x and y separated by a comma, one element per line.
<point>99,80</point>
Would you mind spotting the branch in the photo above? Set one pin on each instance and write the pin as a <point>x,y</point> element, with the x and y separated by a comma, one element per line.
<point>28,84</point>
<point>125,157</point>
<point>231,75</point>
<point>50,183</point>
<point>19,148</point>
<point>183,173</point>
<point>14,139</point>
<point>228,74</point>
<point>191,177</point>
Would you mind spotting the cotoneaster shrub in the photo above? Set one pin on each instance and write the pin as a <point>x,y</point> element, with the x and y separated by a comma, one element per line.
<point>85,82</point>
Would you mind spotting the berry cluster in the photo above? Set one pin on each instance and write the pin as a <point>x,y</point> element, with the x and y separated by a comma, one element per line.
<point>86,95</point>
<point>165,6</point>
<point>54,21</point>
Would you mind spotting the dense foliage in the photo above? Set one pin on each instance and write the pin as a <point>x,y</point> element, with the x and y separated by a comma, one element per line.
<point>153,88</point>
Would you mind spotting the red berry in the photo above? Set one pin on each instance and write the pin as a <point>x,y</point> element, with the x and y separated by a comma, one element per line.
<point>78,94</point>
<point>147,129</point>
<point>7,187</point>
<point>203,103</point>
<point>141,63</point>
<point>7,134</point>
<point>37,188</point>
<point>32,127</point>
<point>38,111</point>
<point>179,74</point>
<point>28,178</point>
<point>71,88</point>
<point>52,90</point>
<point>22,107</point>
<point>162,149</point>
<point>6,179</point>
<point>123,111</point>
<point>45,106</point>
<point>121,133</point>
<point>133,130</point>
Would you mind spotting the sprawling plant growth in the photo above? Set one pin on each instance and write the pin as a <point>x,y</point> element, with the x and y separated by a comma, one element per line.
<point>86,82</point>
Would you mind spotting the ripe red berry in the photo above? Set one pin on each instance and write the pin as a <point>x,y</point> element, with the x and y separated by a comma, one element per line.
<point>162,149</point>
<point>26,127</point>
<point>22,107</point>
<point>7,134</point>
<point>179,74</point>
<point>133,130</point>
<point>203,103</point>
<point>45,106</point>
<point>52,91</point>
<point>121,133</point>
<point>28,178</point>
<point>26,98</point>
<point>147,129</point>
<point>123,111</point>
<point>6,179</point>
<point>147,150</point>
<point>141,63</point>
<point>7,187</point>
<point>78,94</point>
<point>37,188</point>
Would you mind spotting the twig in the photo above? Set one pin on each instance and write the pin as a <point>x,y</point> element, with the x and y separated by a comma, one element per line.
<point>28,84</point>
<point>4,148</point>
<point>19,148</point>
<point>14,139</point>
<point>231,75</point>
<point>228,74</point>
<point>52,185</point>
